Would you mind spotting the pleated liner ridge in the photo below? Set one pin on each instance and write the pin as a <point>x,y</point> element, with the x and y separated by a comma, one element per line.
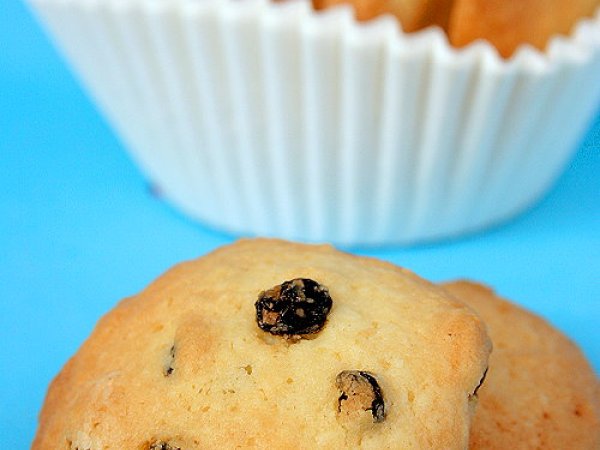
<point>270,119</point>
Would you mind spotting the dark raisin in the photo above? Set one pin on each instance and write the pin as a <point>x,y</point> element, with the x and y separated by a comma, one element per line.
<point>360,392</point>
<point>168,368</point>
<point>295,307</point>
<point>474,394</point>
<point>162,445</point>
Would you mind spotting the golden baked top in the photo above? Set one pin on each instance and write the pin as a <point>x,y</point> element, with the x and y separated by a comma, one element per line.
<point>221,353</point>
<point>540,392</point>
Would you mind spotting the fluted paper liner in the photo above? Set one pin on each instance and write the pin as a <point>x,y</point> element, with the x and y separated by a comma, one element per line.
<point>272,119</point>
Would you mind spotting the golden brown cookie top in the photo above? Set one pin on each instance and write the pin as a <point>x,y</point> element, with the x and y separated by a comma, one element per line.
<point>540,392</point>
<point>392,362</point>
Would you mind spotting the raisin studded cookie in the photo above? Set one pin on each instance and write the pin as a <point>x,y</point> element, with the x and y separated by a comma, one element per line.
<point>540,392</point>
<point>268,344</point>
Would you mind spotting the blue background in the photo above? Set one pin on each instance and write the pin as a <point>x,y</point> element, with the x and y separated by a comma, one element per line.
<point>79,230</point>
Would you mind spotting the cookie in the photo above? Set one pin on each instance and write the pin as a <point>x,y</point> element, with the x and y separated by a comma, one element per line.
<point>507,24</point>
<point>413,15</point>
<point>268,344</point>
<point>539,392</point>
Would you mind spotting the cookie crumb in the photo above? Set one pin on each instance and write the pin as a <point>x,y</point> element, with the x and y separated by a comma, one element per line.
<point>294,308</point>
<point>360,391</point>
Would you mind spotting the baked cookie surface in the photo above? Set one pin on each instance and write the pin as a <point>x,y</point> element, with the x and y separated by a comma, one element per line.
<point>392,362</point>
<point>540,392</point>
<point>412,15</point>
<point>508,24</point>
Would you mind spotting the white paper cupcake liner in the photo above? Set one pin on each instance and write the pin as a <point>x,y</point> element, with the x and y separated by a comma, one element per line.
<point>272,119</point>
